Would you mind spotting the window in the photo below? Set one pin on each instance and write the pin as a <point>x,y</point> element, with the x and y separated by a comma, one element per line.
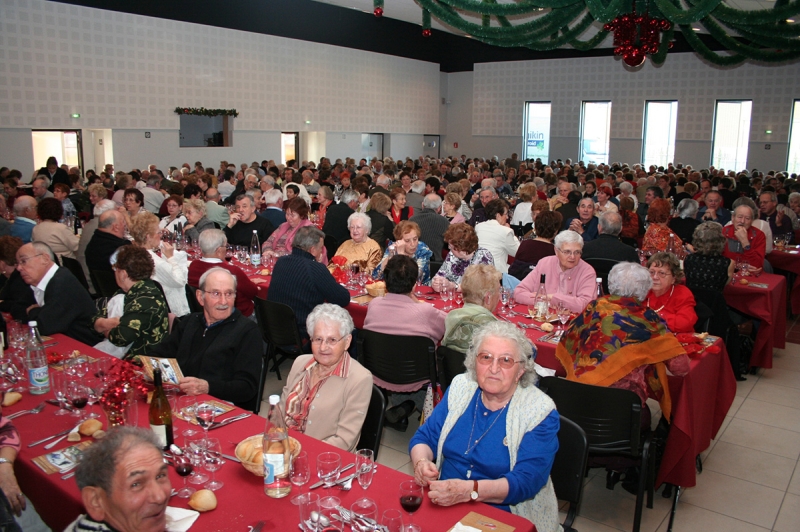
<point>660,123</point>
<point>198,131</point>
<point>731,134</point>
<point>537,131</point>
<point>793,166</point>
<point>595,131</point>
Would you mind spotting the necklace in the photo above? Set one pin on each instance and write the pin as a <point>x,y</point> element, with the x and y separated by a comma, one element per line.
<point>471,446</point>
<point>659,309</point>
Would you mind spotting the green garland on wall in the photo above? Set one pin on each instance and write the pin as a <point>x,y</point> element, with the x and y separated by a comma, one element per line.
<point>762,35</point>
<point>202,111</point>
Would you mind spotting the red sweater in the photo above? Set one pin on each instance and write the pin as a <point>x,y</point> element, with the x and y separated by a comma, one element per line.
<point>246,289</point>
<point>676,308</point>
<point>758,246</point>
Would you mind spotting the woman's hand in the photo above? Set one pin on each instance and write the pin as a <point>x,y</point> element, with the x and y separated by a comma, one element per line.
<point>8,483</point>
<point>450,492</point>
<point>167,249</point>
<point>425,472</point>
<point>400,248</point>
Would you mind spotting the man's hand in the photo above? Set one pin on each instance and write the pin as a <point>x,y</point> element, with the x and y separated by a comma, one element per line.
<point>258,280</point>
<point>27,310</point>
<point>741,235</point>
<point>576,226</point>
<point>193,386</point>
<point>8,483</point>
<point>710,214</point>
<point>235,217</point>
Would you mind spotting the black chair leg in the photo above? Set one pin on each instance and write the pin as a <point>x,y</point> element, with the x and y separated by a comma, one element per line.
<point>273,356</point>
<point>651,478</point>
<point>643,474</point>
<point>698,464</point>
<point>674,508</point>
<point>261,379</point>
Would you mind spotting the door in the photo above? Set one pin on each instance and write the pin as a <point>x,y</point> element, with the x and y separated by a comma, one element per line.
<point>290,146</point>
<point>372,146</point>
<point>65,145</point>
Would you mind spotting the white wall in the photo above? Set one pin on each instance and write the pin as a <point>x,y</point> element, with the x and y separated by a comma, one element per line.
<point>402,146</point>
<point>16,151</point>
<point>340,144</point>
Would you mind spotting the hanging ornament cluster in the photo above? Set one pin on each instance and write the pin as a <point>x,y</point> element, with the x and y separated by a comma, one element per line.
<point>378,11</point>
<point>202,111</point>
<point>426,23</point>
<point>636,37</point>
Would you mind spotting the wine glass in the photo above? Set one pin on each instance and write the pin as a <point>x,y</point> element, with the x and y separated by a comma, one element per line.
<point>184,468</point>
<point>504,298</point>
<point>195,449</point>
<point>300,471</point>
<point>328,464</point>
<point>447,295</point>
<point>213,463</point>
<point>392,520</point>
<point>102,368</point>
<point>365,460</point>
<point>563,316</point>
<point>410,497</point>
<point>355,270</point>
<point>79,397</point>
<point>59,381</point>
<point>186,406</point>
<point>458,297</point>
<point>420,283</point>
<point>7,379</point>
<point>365,508</point>
<point>205,413</point>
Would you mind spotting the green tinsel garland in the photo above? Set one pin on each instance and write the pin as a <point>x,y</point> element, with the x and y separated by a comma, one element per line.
<point>761,35</point>
<point>202,111</point>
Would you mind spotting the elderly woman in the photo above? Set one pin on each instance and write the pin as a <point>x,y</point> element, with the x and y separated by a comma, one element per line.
<point>686,222</point>
<point>16,295</point>
<point>604,203</point>
<point>58,236</point>
<point>626,191</point>
<point>327,393</point>
<point>546,227</point>
<point>794,204</point>
<point>670,300</point>
<point>522,211</point>
<point>496,236</point>
<point>132,203</point>
<point>140,320</point>
<point>451,206</point>
<point>320,207</point>
<point>635,356</point>
<point>171,267</point>
<point>281,239</point>
<point>658,234</point>
<point>360,249</point>
<point>743,242</point>
<point>480,286</point>
<point>196,219</point>
<point>407,243</point>
<point>399,210</point>
<point>494,435</point>
<point>464,252</point>
<point>567,279</point>
<point>706,268</point>
<point>382,224</point>
<point>97,192</point>
<point>175,216</point>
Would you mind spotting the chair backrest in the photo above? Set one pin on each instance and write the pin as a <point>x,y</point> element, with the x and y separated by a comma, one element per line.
<point>104,282</point>
<point>569,466</point>
<point>451,363</point>
<point>331,245</point>
<point>191,298</point>
<point>77,270</point>
<point>397,359</point>
<point>372,428</point>
<point>278,324</point>
<point>610,417</point>
<point>720,320</point>
<point>601,268</point>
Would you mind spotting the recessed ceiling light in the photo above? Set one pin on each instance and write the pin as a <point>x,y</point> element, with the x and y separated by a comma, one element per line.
<point>790,20</point>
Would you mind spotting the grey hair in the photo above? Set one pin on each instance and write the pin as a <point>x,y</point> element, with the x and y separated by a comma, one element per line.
<point>794,196</point>
<point>22,204</point>
<point>383,180</point>
<point>307,237</point>
<point>210,240</point>
<point>507,331</point>
<point>273,196</point>
<point>330,313</point>
<point>99,462</point>
<point>366,220</point>
<point>747,202</point>
<point>432,202</point>
<point>44,249</point>
<point>107,219</point>
<point>349,196</point>
<point>687,208</point>
<point>628,279</point>
<point>610,223</point>
<point>268,180</point>
<point>102,206</point>
<point>204,277</point>
<point>153,180</point>
<point>568,237</point>
<point>625,186</point>
<point>772,195</point>
<point>418,186</point>
<point>250,198</point>
<point>195,205</point>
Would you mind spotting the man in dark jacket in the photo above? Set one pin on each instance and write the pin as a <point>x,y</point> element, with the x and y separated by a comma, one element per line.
<point>337,215</point>
<point>432,225</point>
<point>109,236</point>
<point>607,245</point>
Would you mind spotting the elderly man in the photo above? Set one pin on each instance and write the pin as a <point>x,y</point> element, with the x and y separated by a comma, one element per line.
<point>779,222</point>
<point>152,197</point>
<point>431,224</point>
<point>337,215</point>
<point>744,242</point>
<point>89,229</point>
<point>124,483</point>
<point>219,350</point>
<point>586,222</point>
<point>486,195</point>
<point>244,221</point>
<point>110,235</point>
<point>415,197</point>
<point>607,245</point>
<point>713,210</point>
<point>24,218</point>
<point>62,304</point>
<point>301,282</point>
<point>213,245</point>
<point>273,199</point>
<point>214,211</point>
<point>39,188</point>
<point>382,184</point>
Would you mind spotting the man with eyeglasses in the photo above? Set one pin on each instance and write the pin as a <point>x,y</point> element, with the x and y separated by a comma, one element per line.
<point>744,242</point>
<point>779,222</point>
<point>219,350</point>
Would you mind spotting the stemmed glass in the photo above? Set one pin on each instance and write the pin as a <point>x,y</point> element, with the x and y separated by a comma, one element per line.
<point>300,471</point>
<point>410,497</point>
<point>78,395</point>
<point>447,295</point>
<point>7,379</point>
<point>505,296</point>
<point>205,413</point>
<point>365,460</point>
<point>392,521</point>
<point>458,297</point>
<point>77,367</point>
<point>184,468</point>
<point>328,465</point>
<point>355,271</point>
<point>59,381</point>
<point>420,283</point>
<point>563,316</point>
<point>195,448</point>
<point>186,406</point>
<point>213,462</point>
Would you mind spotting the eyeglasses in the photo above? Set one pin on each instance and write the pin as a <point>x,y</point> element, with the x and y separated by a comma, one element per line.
<point>505,361</point>
<point>216,294</point>
<point>23,262</point>
<point>327,342</point>
<point>576,253</point>
<point>661,274</point>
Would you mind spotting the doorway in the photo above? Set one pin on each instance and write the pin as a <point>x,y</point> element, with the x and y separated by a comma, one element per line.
<point>372,146</point>
<point>290,146</point>
<point>65,145</point>
<point>430,146</point>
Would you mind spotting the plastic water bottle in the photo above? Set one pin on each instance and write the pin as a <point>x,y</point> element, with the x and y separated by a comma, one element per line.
<point>277,452</point>
<point>255,250</point>
<point>36,361</point>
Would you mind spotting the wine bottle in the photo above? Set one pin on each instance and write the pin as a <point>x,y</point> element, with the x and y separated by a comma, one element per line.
<point>277,456</point>
<point>160,412</point>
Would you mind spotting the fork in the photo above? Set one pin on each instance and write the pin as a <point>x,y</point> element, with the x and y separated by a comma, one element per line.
<point>36,410</point>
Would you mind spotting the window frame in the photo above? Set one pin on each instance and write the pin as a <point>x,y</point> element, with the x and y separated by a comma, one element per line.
<point>644,131</point>
<point>714,128</point>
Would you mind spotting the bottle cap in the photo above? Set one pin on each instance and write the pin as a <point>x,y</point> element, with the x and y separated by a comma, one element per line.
<point>32,324</point>
<point>274,399</point>
<point>599,280</point>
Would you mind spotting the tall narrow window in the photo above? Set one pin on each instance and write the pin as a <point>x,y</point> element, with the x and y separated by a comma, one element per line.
<point>793,166</point>
<point>658,140</point>
<point>537,131</point>
<point>595,131</point>
<point>731,134</point>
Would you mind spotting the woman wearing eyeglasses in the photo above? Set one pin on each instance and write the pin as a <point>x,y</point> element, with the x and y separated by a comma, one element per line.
<point>568,279</point>
<point>493,437</point>
<point>327,393</point>
<point>673,302</point>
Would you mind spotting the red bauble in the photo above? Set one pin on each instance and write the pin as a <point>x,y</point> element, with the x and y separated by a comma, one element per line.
<point>608,27</point>
<point>378,12</point>
<point>635,58</point>
<point>666,24</point>
<point>426,32</point>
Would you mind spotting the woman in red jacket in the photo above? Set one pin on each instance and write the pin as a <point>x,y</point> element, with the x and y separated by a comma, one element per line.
<point>674,303</point>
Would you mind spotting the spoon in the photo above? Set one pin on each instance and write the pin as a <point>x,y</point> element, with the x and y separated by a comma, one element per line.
<point>318,518</point>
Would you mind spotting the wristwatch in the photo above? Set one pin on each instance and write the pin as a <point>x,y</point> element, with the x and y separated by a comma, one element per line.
<point>474,493</point>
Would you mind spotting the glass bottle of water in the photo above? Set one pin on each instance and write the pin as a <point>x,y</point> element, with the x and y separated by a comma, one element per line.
<point>255,250</point>
<point>541,303</point>
<point>599,291</point>
<point>36,361</point>
<point>277,452</point>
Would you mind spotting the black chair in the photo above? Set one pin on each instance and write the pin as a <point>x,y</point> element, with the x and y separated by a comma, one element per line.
<point>372,429</point>
<point>279,331</point>
<point>569,468</point>
<point>611,419</point>
<point>720,324</point>
<point>104,282</point>
<point>331,245</point>
<point>77,270</point>
<point>397,359</point>
<point>191,298</point>
<point>451,363</point>
<point>434,266</point>
<point>601,268</point>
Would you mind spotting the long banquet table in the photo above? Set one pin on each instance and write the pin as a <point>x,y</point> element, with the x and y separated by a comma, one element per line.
<point>789,261</point>
<point>241,502</point>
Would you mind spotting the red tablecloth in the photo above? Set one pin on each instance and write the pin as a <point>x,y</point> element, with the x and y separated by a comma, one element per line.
<point>241,502</point>
<point>767,305</point>
<point>789,262</point>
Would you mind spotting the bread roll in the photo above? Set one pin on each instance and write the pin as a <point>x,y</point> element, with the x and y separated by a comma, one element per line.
<point>11,398</point>
<point>90,426</point>
<point>203,500</point>
<point>547,327</point>
<point>74,436</point>
<point>98,435</point>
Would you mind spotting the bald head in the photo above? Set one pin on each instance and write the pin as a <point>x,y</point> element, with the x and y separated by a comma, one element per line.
<point>112,222</point>
<point>212,194</point>
<point>25,206</point>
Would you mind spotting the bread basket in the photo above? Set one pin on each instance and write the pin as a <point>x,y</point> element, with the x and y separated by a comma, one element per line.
<point>257,468</point>
<point>376,289</point>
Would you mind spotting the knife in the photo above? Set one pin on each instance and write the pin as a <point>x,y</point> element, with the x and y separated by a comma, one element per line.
<point>230,457</point>
<point>56,403</point>
<point>51,437</point>
<point>258,527</point>
<point>228,421</point>
<point>320,483</point>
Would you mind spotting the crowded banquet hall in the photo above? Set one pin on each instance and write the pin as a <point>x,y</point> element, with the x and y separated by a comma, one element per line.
<point>360,265</point>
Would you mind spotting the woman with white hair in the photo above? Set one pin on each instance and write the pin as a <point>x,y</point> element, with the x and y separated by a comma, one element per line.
<point>567,279</point>
<point>686,222</point>
<point>327,393</point>
<point>493,437</point>
<point>626,191</point>
<point>360,249</point>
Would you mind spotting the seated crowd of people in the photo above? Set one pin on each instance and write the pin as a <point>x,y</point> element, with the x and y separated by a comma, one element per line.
<point>474,226</point>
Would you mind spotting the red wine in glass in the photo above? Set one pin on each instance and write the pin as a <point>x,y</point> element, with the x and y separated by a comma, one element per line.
<point>183,466</point>
<point>410,503</point>
<point>184,470</point>
<point>410,497</point>
<point>80,402</point>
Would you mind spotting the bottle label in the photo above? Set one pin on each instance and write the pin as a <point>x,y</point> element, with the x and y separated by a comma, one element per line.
<point>255,259</point>
<point>269,472</point>
<point>276,461</point>
<point>39,377</point>
<point>161,433</point>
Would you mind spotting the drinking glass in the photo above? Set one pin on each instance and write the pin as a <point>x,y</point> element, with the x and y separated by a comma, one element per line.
<point>447,295</point>
<point>300,470</point>
<point>365,507</point>
<point>328,464</point>
<point>77,367</point>
<point>563,316</point>
<point>186,406</point>
<point>327,508</point>
<point>95,391</point>
<point>365,460</point>
<point>504,297</point>
<point>7,378</point>
<point>102,368</point>
<point>392,520</point>
<point>420,283</point>
<point>458,297</point>
<point>195,449</point>
<point>205,413</point>
<point>355,270</point>
<point>307,503</point>
<point>410,497</point>
<point>78,395</point>
<point>184,468</point>
<point>213,463</point>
